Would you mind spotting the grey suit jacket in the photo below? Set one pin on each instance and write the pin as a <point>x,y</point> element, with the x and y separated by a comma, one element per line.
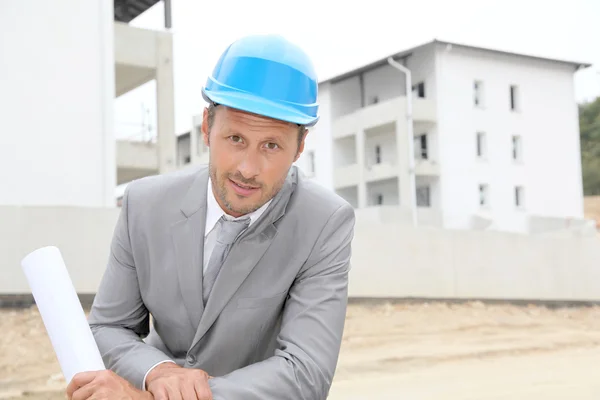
<point>273,325</point>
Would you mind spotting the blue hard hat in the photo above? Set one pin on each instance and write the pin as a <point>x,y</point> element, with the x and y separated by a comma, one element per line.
<point>266,75</point>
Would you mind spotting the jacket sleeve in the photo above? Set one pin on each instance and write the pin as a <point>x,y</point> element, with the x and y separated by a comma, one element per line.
<point>309,340</point>
<point>118,318</point>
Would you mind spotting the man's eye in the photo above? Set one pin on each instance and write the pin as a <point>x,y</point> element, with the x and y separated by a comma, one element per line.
<point>272,146</point>
<point>236,139</point>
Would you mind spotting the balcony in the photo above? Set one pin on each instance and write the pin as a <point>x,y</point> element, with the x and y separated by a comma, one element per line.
<point>378,172</point>
<point>424,110</point>
<point>345,176</point>
<point>136,55</point>
<point>382,113</point>
<point>426,168</point>
<point>143,55</point>
<point>350,175</point>
<point>136,159</point>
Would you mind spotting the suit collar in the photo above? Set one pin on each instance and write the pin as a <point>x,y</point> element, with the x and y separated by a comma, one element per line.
<point>195,198</point>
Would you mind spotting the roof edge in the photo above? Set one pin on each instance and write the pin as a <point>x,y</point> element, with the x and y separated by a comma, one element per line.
<point>406,53</point>
<point>577,64</point>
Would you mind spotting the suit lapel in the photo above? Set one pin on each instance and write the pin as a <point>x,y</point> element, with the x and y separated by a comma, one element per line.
<point>244,256</point>
<point>188,242</point>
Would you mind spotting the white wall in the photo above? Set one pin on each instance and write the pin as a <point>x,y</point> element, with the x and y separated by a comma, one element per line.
<point>82,234</point>
<point>547,121</point>
<point>389,258</point>
<point>319,140</point>
<point>56,97</point>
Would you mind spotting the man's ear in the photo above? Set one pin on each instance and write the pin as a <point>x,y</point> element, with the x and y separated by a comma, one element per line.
<point>204,128</point>
<point>301,146</point>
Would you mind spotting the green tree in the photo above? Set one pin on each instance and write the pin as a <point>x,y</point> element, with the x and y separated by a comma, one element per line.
<point>589,128</point>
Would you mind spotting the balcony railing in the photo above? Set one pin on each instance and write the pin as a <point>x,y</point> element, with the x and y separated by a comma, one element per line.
<point>427,168</point>
<point>350,175</point>
<point>377,172</point>
<point>381,114</point>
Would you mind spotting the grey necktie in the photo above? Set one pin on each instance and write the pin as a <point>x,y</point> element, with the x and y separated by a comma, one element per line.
<point>228,232</point>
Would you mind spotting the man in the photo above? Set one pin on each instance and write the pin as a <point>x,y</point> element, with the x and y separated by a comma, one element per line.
<point>243,264</point>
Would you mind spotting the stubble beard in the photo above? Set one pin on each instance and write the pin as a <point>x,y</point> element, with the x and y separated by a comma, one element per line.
<point>221,190</point>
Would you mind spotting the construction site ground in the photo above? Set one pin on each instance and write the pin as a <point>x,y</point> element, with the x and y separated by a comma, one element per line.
<point>409,351</point>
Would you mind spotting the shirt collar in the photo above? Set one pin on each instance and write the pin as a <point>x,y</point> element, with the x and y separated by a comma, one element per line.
<point>214,211</point>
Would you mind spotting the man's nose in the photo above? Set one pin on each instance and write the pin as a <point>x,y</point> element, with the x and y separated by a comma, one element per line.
<point>250,165</point>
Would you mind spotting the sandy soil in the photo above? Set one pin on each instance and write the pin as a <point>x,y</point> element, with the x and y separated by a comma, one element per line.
<point>591,206</point>
<point>409,351</point>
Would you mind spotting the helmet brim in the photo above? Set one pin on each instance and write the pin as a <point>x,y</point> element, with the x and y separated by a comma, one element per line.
<point>256,105</point>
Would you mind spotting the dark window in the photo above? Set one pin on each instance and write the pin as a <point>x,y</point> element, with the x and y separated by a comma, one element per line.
<point>513,98</point>
<point>423,196</point>
<point>419,89</point>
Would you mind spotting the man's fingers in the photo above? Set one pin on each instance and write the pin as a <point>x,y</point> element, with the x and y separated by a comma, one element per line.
<point>173,393</point>
<point>79,380</point>
<point>161,394</point>
<point>188,391</point>
<point>85,392</point>
<point>202,390</point>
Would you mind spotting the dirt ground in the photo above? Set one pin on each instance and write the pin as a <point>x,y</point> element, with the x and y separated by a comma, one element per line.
<point>591,206</point>
<point>468,351</point>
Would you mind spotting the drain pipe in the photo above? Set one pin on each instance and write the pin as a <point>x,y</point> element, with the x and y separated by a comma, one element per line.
<point>411,137</point>
<point>168,17</point>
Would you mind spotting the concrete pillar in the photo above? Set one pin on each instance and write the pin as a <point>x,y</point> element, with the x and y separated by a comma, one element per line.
<point>403,166</point>
<point>360,160</point>
<point>165,98</point>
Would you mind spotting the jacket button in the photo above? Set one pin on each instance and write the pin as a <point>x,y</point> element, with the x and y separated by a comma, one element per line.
<point>191,359</point>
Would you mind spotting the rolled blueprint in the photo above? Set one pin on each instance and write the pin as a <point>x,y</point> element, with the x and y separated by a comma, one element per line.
<point>61,312</point>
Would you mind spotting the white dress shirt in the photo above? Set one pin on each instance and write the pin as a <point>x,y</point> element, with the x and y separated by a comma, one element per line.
<point>213,213</point>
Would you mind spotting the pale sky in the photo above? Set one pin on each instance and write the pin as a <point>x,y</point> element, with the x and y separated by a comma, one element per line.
<point>340,37</point>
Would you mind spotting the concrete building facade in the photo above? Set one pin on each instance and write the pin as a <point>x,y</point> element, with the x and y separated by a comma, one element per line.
<point>495,138</point>
<point>485,140</point>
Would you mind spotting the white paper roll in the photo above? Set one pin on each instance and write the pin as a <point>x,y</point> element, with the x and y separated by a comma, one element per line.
<point>61,312</point>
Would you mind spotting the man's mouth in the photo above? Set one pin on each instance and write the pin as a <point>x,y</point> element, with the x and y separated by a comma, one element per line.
<point>244,186</point>
<point>241,189</point>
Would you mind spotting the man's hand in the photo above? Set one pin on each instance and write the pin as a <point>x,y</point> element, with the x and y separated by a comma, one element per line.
<point>103,385</point>
<point>169,381</point>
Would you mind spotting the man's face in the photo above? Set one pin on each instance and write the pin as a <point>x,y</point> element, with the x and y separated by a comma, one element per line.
<point>250,157</point>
